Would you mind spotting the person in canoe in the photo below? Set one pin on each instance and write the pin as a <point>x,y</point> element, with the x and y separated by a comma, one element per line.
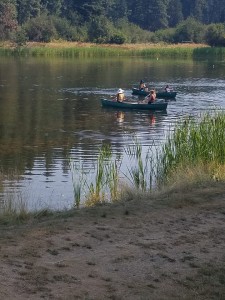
<point>142,85</point>
<point>120,97</point>
<point>168,89</point>
<point>151,97</point>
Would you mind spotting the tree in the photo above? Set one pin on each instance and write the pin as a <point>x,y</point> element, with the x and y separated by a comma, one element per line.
<point>40,29</point>
<point>28,9</point>
<point>100,30</point>
<point>52,7</point>
<point>8,18</point>
<point>189,30</point>
<point>157,17</point>
<point>137,12</point>
<point>174,11</point>
<point>215,35</point>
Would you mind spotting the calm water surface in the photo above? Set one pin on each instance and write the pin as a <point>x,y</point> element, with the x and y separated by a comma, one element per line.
<point>50,112</point>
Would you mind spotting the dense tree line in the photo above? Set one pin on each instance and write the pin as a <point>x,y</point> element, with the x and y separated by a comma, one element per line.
<point>113,21</point>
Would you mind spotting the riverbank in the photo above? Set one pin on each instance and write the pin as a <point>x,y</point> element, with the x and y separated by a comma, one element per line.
<point>66,44</point>
<point>87,50</point>
<point>168,245</point>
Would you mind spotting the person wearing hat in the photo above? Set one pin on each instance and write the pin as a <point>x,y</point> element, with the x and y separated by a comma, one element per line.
<point>142,85</point>
<point>120,95</point>
<point>151,97</point>
<point>167,88</point>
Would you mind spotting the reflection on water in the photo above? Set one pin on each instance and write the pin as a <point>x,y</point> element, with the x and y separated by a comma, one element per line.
<point>50,111</point>
<point>120,116</point>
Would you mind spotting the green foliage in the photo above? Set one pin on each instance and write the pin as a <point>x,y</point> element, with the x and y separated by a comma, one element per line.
<point>53,7</point>
<point>132,32</point>
<point>117,39</point>
<point>215,35</point>
<point>166,35</point>
<point>115,21</point>
<point>100,30</point>
<point>175,13</point>
<point>28,9</point>
<point>65,30</point>
<point>20,37</point>
<point>8,21</point>
<point>40,29</point>
<point>189,30</point>
<point>194,143</point>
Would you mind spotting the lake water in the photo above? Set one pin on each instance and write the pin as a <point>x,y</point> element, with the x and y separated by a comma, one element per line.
<point>50,112</point>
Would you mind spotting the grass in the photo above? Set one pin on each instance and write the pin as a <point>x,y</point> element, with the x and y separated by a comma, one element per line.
<point>88,50</point>
<point>13,210</point>
<point>195,145</point>
<point>209,282</point>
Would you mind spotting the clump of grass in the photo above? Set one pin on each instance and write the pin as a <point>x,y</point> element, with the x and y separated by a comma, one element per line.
<point>105,183</point>
<point>195,144</point>
<point>78,181</point>
<point>113,179</point>
<point>106,179</point>
<point>14,210</point>
<point>143,170</point>
<point>208,282</point>
<point>108,184</point>
<point>209,52</point>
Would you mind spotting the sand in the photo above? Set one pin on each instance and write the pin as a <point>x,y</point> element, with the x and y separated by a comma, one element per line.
<point>170,246</point>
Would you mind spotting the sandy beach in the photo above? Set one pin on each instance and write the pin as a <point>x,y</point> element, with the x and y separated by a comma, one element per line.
<point>166,246</point>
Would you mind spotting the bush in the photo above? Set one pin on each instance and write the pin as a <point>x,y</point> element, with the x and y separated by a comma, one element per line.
<point>215,35</point>
<point>65,30</point>
<point>132,32</point>
<point>117,39</point>
<point>20,37</point>
<point>40,29</point>
<point>164,35</point>
<point>190,30</point>
<point>99,30</point>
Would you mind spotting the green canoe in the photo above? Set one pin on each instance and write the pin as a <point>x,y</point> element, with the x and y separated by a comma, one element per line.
<point>161,105</point>
<point>162,94</point>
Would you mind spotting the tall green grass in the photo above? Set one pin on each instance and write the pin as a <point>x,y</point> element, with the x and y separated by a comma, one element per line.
<point>156,51</point>
<point>194,143</point>
<point>142,170</point>
<point>104,184</point>
<point>209,53</point>
<point>108,180</point>
<point>78,181</point>
<point>98,51</point>
<point>13,209</point>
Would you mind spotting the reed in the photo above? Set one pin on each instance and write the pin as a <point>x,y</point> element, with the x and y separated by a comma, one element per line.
<point>105,184</point>
<point>209,52</point>
<point>14,209</point>
<point>113,180</point>
<point>194,143</point>
<point>143,168</point>
<point>78,180</point>
<point>106,179</point>
<point>138,171</point>
<point>93,50</point>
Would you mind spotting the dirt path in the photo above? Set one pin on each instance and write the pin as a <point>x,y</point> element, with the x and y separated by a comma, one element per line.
<point>133,250</point>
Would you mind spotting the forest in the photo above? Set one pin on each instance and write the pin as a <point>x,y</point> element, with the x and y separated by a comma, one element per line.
<point>113,21</point>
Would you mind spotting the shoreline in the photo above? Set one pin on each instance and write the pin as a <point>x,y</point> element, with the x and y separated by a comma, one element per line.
<point>88,50</point>
<point>165,246</point>
<point>66,44</point>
